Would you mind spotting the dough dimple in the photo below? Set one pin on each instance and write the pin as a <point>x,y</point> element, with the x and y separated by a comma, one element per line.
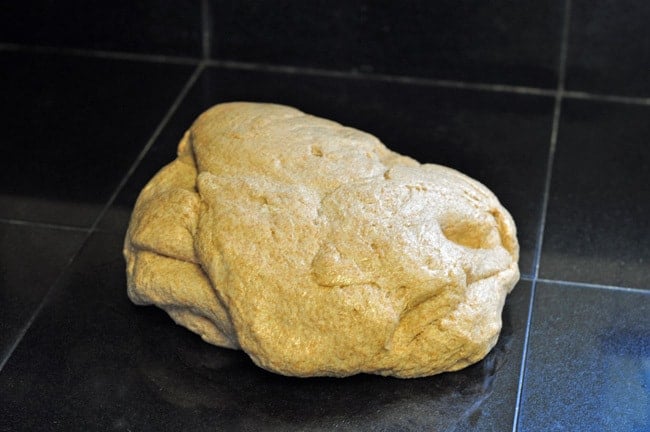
<point>318,251</point>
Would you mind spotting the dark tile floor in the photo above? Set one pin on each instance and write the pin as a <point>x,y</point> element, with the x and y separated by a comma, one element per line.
<point>498,41</point>
<point>572,166</point>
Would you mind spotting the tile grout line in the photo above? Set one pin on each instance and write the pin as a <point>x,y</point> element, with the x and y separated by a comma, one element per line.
<point>163,122</point>
<point>595,286</point>
<point>327,73</point>
<point>44,225</point>
<point>400,79</point>
<point>524,355</point>
<point>206,29</point>
<point>557,108</point>
<point>598,97</point>
<point>111,55</point>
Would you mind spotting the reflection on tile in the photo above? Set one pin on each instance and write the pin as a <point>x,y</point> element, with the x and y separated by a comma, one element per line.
<point>147,26</point>
<point>608,47</point>
<point>499,139</point>
<point>71,128</point>
<point>92,360</point>
<point>496,42</point>
<point>597,228</point>
<point>588,362</point>
<point>30,260</point>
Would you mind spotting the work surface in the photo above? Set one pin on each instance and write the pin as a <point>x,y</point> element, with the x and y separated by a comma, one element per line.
<point>82,132</point>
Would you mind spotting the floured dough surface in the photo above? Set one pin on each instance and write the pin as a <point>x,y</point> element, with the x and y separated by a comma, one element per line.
<point>318,251</point>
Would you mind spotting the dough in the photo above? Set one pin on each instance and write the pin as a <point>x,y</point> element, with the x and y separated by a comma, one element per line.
<point>318,251</point>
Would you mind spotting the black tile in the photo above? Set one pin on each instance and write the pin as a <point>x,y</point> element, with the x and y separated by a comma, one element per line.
<point>31,258</point>
<point>608,47</point>
<point>498,42</point>
<point>71,128</point>
<point>499,139</point>
<point>145,26</point>
<point>588,364</point>
<point>94,361</point>
<point>597,227</point>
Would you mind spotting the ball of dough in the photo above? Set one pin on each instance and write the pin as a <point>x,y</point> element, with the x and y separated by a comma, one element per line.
<point>318,251</point>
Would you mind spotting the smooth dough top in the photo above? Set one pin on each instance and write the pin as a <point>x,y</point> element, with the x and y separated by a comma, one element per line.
<point>318,251</point>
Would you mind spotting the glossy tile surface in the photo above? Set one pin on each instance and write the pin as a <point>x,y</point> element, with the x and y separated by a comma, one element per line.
<point>149,26</point>
<point>495,42</point>
<point>499,139</point>
<point>609,50</point>
<point>588,362</point>
<point>31,258</point>
<point>92,361</point>
<point>598,224</point>
<point>72,126</point>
